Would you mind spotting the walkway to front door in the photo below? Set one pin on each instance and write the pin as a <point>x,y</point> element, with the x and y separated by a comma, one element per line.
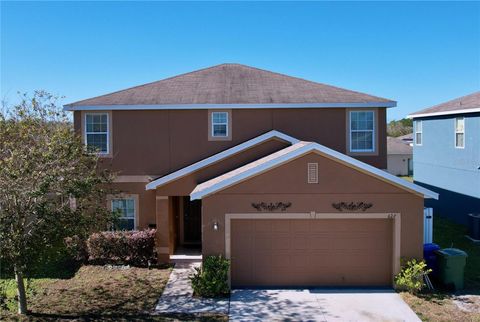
<point>178,294</point>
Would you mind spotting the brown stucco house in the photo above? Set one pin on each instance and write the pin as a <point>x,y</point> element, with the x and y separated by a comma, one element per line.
<point>284,176</point>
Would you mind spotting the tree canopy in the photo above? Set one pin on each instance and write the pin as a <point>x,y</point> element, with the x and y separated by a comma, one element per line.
<point>50,186</point>
<point>400,127</point>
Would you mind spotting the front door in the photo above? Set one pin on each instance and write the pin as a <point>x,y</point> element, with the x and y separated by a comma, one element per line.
<point>192,221</point>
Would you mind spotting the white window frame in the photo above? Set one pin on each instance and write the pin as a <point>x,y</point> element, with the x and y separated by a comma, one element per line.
<point>417,122</point>
<point>219,123</point>
<point>134,210</point>
<point>373,130</point>
<point>458,132</point>
<point>107,132</point>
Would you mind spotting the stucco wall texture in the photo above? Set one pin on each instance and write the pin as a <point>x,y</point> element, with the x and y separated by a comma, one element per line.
<point>337,182</point>
<point>162,141</point>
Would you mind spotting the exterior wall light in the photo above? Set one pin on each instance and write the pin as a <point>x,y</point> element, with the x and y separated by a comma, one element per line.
<point>215,226</point>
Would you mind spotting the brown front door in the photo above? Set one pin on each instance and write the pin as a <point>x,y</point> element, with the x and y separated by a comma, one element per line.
<point>311,252</point>
<point>192,221</point>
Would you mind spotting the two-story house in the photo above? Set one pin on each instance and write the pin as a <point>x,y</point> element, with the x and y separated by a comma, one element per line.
<point>446,155</point>
<point>282,175</point>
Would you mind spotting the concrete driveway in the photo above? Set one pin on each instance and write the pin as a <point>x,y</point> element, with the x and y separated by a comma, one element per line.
<point>319,305</point>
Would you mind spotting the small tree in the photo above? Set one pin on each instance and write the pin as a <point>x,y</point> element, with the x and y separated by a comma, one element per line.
<point>50,187</point>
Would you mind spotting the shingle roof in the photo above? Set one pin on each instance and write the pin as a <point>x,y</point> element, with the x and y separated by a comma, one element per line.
<point>290,153</point>
<point>398,146</point>
<point>465,104</point>
<point>231,84</point>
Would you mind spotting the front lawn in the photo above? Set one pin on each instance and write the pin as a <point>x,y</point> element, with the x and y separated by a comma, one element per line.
<point>463,305</point>
<point>95,293</point>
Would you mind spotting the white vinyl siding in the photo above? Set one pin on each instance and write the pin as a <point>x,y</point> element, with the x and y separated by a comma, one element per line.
<point>362,131</point>
<point>460,132</point>
<point>418,132</point>
<point>126,208</point>
<point>220,124</point>
<point>97,132</point>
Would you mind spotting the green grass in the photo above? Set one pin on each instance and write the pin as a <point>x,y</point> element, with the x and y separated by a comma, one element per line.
<point>448,234</point>
<point>439,305</point>
<point>8,291</point>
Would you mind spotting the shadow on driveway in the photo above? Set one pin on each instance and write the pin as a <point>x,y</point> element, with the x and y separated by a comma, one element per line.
<point>318,305</point>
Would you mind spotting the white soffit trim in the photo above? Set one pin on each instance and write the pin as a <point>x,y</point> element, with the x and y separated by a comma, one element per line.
<point>207,188</point>
<point>467,110</point>
<point>224,106</point>
<point>220,156</point>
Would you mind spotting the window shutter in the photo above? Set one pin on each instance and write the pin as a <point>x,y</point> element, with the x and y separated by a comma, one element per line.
<point>312,172</point>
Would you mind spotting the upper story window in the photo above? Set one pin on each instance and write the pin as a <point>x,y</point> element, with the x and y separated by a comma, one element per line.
<point>219,124</point>
<point>97,132</point>
<point>126,208</point>
<point>460,132</point>
<point>362,131</point>
<point>418,132</point>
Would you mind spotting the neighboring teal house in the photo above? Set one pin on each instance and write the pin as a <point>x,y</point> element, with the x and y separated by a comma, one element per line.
<point>446,154</point>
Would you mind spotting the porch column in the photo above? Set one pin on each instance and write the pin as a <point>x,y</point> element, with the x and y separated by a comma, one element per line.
<point>163,222</point>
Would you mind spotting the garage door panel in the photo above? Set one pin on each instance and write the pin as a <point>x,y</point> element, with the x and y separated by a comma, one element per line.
<point>311,252</point>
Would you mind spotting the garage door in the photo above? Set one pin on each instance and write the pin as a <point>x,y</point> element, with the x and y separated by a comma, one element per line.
<point>311,252</point>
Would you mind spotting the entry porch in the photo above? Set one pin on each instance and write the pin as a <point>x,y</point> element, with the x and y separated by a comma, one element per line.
<point>179,227</point>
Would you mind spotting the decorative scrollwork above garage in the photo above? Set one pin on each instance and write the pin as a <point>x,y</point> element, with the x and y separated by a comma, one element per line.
<point>271,206</point>
<point>352,206</point>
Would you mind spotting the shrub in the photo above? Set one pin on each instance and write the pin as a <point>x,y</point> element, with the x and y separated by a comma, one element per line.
<point>410,278</point>
<point>211,280</point>
<point>77,248</point>
<point>135,248</point>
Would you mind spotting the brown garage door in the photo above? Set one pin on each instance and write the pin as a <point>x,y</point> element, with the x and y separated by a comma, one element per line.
<point>311,252</point>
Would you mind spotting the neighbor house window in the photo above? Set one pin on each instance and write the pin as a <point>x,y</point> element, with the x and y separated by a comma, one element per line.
<point>460,132</point>
<point>362,131</point>
<point>220,124</point>
<point>125,207</point>
<point>96,132</point>
<point>418,132</point>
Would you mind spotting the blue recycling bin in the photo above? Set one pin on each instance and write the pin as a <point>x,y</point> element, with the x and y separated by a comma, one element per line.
<point>430,256</point>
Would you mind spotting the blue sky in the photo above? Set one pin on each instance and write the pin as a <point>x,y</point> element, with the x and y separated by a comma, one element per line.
<point>418,53</point>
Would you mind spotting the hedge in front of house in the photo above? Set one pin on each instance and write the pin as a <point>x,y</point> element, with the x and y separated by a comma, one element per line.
<point>135,248</point>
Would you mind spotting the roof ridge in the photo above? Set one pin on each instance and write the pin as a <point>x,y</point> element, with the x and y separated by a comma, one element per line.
<point>229,64</point>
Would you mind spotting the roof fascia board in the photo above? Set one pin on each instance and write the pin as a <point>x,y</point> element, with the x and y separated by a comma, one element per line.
<point>467,110</point>
<point>376,172</point>
<point>220,156</point>
<point>349,161</point>
<point>223,106</point>
<point>250,172</point>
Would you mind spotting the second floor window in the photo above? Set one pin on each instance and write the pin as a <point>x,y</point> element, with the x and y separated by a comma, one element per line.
<point>460,132</point>
<point>362,131</point>
<point>96,132</point>
<point>126,208</point>
<point>418,132</point>
<point>220,124</point>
